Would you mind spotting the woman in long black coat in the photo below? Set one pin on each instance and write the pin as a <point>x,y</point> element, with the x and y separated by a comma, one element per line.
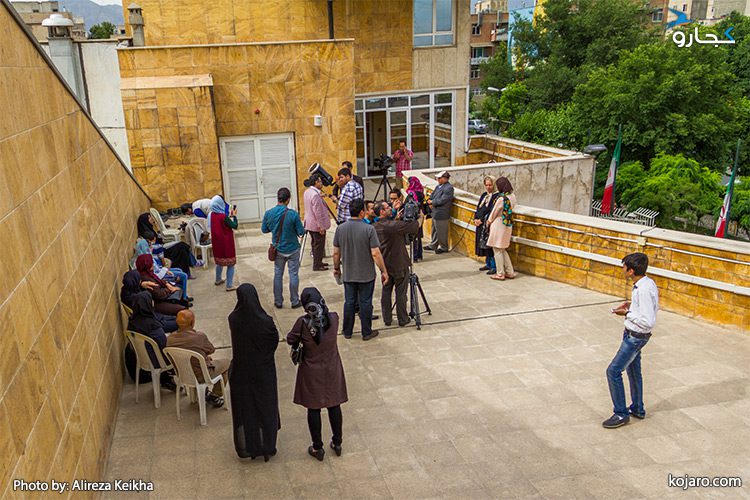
<point>252,377</point>
<point>320,376</point>
<point>484,207</point>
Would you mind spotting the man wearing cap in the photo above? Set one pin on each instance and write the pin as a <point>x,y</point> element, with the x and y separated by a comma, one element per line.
<point>441,201</point>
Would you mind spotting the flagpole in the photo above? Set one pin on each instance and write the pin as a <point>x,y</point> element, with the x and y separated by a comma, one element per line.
<point>731,186</point>
<point>617,166</point>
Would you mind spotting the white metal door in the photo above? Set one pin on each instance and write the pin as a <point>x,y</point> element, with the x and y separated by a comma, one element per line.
<point>254,168</point>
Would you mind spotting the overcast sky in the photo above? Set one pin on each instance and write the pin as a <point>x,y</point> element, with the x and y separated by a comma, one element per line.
<point>107,2</point>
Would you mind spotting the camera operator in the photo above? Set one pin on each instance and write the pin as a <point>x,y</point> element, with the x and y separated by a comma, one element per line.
<point>403,157</point>
<point>392,235</point>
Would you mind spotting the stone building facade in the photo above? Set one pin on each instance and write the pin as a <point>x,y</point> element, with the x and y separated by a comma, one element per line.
<point>283,95</point>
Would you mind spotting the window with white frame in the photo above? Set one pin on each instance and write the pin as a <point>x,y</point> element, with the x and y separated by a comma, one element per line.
<point>657,16</point>
<point>433,23</point>
<point>476,91</point>
<point>476,29</point>
<point>474,72</point>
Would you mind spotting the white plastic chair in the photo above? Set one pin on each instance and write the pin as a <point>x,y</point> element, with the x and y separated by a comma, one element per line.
<point>186,378</point>
<point>166,234</point>
<point>139,342</point>
<point>196,231</point>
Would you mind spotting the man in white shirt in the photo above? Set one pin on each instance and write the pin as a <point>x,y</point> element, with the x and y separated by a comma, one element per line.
<point>640,318</point>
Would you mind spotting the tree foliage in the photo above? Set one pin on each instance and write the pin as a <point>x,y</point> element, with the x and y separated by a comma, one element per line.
<point>101,31</point>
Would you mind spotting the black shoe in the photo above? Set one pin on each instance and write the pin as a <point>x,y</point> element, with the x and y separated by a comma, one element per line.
<point>428,248</point>
<point>375,316</point>
<point>404,324</point>
<point>484,268</point>
<point>337,449</point>
<point>615,421</point>
<point>441,250</point>
<point>319,454</point>
<point>169,385</point>
<point>372,335</point>
<point>297,305</point>
<point>492,271</point>
<point>347,336</point>
<point>189,299</point>
<point>278,306</point>
<point>214,400</point>
<point>387,323</point>
<point>639,416</point>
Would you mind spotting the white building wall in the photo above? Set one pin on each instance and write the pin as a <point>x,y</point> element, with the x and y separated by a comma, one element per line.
<point>102,75</point>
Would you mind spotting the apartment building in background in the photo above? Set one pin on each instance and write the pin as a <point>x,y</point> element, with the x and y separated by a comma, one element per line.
<point>489,28</point>
<point>33,13</point>
<point>241,97</point>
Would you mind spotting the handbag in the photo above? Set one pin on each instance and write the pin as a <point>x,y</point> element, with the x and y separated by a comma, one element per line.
<point>296,353</point>
<point>272,247</point>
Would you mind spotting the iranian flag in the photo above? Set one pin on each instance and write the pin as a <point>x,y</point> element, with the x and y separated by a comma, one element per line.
<point>721,224</point>
<point>608,200</point>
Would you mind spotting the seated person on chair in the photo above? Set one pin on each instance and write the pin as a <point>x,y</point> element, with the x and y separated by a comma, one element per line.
<point>166,296</point>
<point>144,321</point>
<point>187,338</point>
<point>146,244</point>
<point>131,286</point>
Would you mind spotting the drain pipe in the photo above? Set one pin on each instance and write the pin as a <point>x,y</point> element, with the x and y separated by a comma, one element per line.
<point>330,19</point>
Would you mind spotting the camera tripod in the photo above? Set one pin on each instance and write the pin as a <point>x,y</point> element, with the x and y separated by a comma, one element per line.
<point>384,183</point>
<point>415,287</point>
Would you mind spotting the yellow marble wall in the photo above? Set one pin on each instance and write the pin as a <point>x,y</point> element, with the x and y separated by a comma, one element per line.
<point>287,83</point>
<point>382,30</point>
<point>173,145</point>
<point>67,213</point>
<point>689,299</point>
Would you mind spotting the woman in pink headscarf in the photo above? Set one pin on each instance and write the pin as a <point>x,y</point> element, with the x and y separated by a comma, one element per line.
<point>416,191</point>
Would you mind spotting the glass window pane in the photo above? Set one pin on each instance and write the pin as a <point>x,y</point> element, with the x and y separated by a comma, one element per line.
<point>420,137</point>
<point>358,104</point>
<point>360,134</point>
<point>422,16</point>
<point>359,119</point>
<point>422,41</point>
<point>398,128</point>
<point>417,100</point>
<point>397,102</point>
<point>444,39</point>
<point>443,15</point>
<point>443,136</point>
<point>444,98</point>
<point>374,103</point>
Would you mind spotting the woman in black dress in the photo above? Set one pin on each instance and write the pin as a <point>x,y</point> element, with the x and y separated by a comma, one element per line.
<point>252,377</point>
<point>484,207</point>
<point>320,376</point>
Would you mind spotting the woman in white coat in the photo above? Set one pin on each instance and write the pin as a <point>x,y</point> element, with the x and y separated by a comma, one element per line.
<point>500,223</point>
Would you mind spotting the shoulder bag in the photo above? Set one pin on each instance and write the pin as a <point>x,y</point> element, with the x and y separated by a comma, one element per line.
<point>272,247</point>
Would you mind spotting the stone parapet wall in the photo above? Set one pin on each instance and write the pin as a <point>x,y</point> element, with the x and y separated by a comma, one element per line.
<point>486,148</point>
<point>67,212</point>
<point>698,276</point>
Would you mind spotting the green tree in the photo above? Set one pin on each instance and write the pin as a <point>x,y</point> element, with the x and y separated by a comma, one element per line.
<point>740,211</point>
<point>668,99</point>
<point>496,72</point>
<point>102,30</point>
<point>675,186</point>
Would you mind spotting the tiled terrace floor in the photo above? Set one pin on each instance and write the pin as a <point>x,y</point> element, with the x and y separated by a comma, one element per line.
<point>501,396</point>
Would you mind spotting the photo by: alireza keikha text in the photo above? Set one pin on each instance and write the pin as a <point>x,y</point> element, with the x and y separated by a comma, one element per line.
<point>82,485</point>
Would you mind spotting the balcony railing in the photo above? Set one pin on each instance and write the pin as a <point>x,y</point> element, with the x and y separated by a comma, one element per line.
<point>475,61</point>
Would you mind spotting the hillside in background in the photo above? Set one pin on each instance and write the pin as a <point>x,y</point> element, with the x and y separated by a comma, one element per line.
<point>93,13</point>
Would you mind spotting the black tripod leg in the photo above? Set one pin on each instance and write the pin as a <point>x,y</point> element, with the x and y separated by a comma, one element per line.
<point>413,286</point>
<point>424,299</point>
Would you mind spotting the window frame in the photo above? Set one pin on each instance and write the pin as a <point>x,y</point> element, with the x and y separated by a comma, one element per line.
<point>474,73</point>
<point>476,29</point>
<point>435,33</point>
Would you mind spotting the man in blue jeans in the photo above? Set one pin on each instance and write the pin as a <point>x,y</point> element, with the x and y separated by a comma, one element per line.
<point>356,243</point>
<point>286,240</point>
<point>640,318</point>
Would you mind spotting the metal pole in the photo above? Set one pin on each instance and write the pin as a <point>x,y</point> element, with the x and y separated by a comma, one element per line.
<point>330,19</point>
<point>731,185</point>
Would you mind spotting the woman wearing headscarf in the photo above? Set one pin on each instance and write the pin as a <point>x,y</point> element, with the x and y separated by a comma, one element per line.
<point>320,376</point>
<point>222,240</point>
<point>484,207</point>
<point>252,377</point>
<point>144,321</point>
<point>131,286</point>
<point>416,190</point>
<point>166,297</point>
<point>500,223</point>
<point>177,252</point>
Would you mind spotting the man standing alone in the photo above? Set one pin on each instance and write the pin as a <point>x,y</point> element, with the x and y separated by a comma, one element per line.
<point>285,227</point>
<point>441,201</point>
<point>317,221</point>
<point>403,157</point>
<point>640,318</point>
<point>357,244</point>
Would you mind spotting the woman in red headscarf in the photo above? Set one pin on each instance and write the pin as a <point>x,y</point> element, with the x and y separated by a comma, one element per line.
<point>166,296</point>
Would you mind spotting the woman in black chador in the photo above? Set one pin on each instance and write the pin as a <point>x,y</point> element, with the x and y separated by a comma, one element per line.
<point>252,377</point>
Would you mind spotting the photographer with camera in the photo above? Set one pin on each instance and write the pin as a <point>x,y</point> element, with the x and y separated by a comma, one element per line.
<point>403,157</point>
<point>395,235</point>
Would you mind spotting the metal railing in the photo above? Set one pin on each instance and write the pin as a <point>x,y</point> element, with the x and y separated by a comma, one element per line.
<point>642,216</point>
